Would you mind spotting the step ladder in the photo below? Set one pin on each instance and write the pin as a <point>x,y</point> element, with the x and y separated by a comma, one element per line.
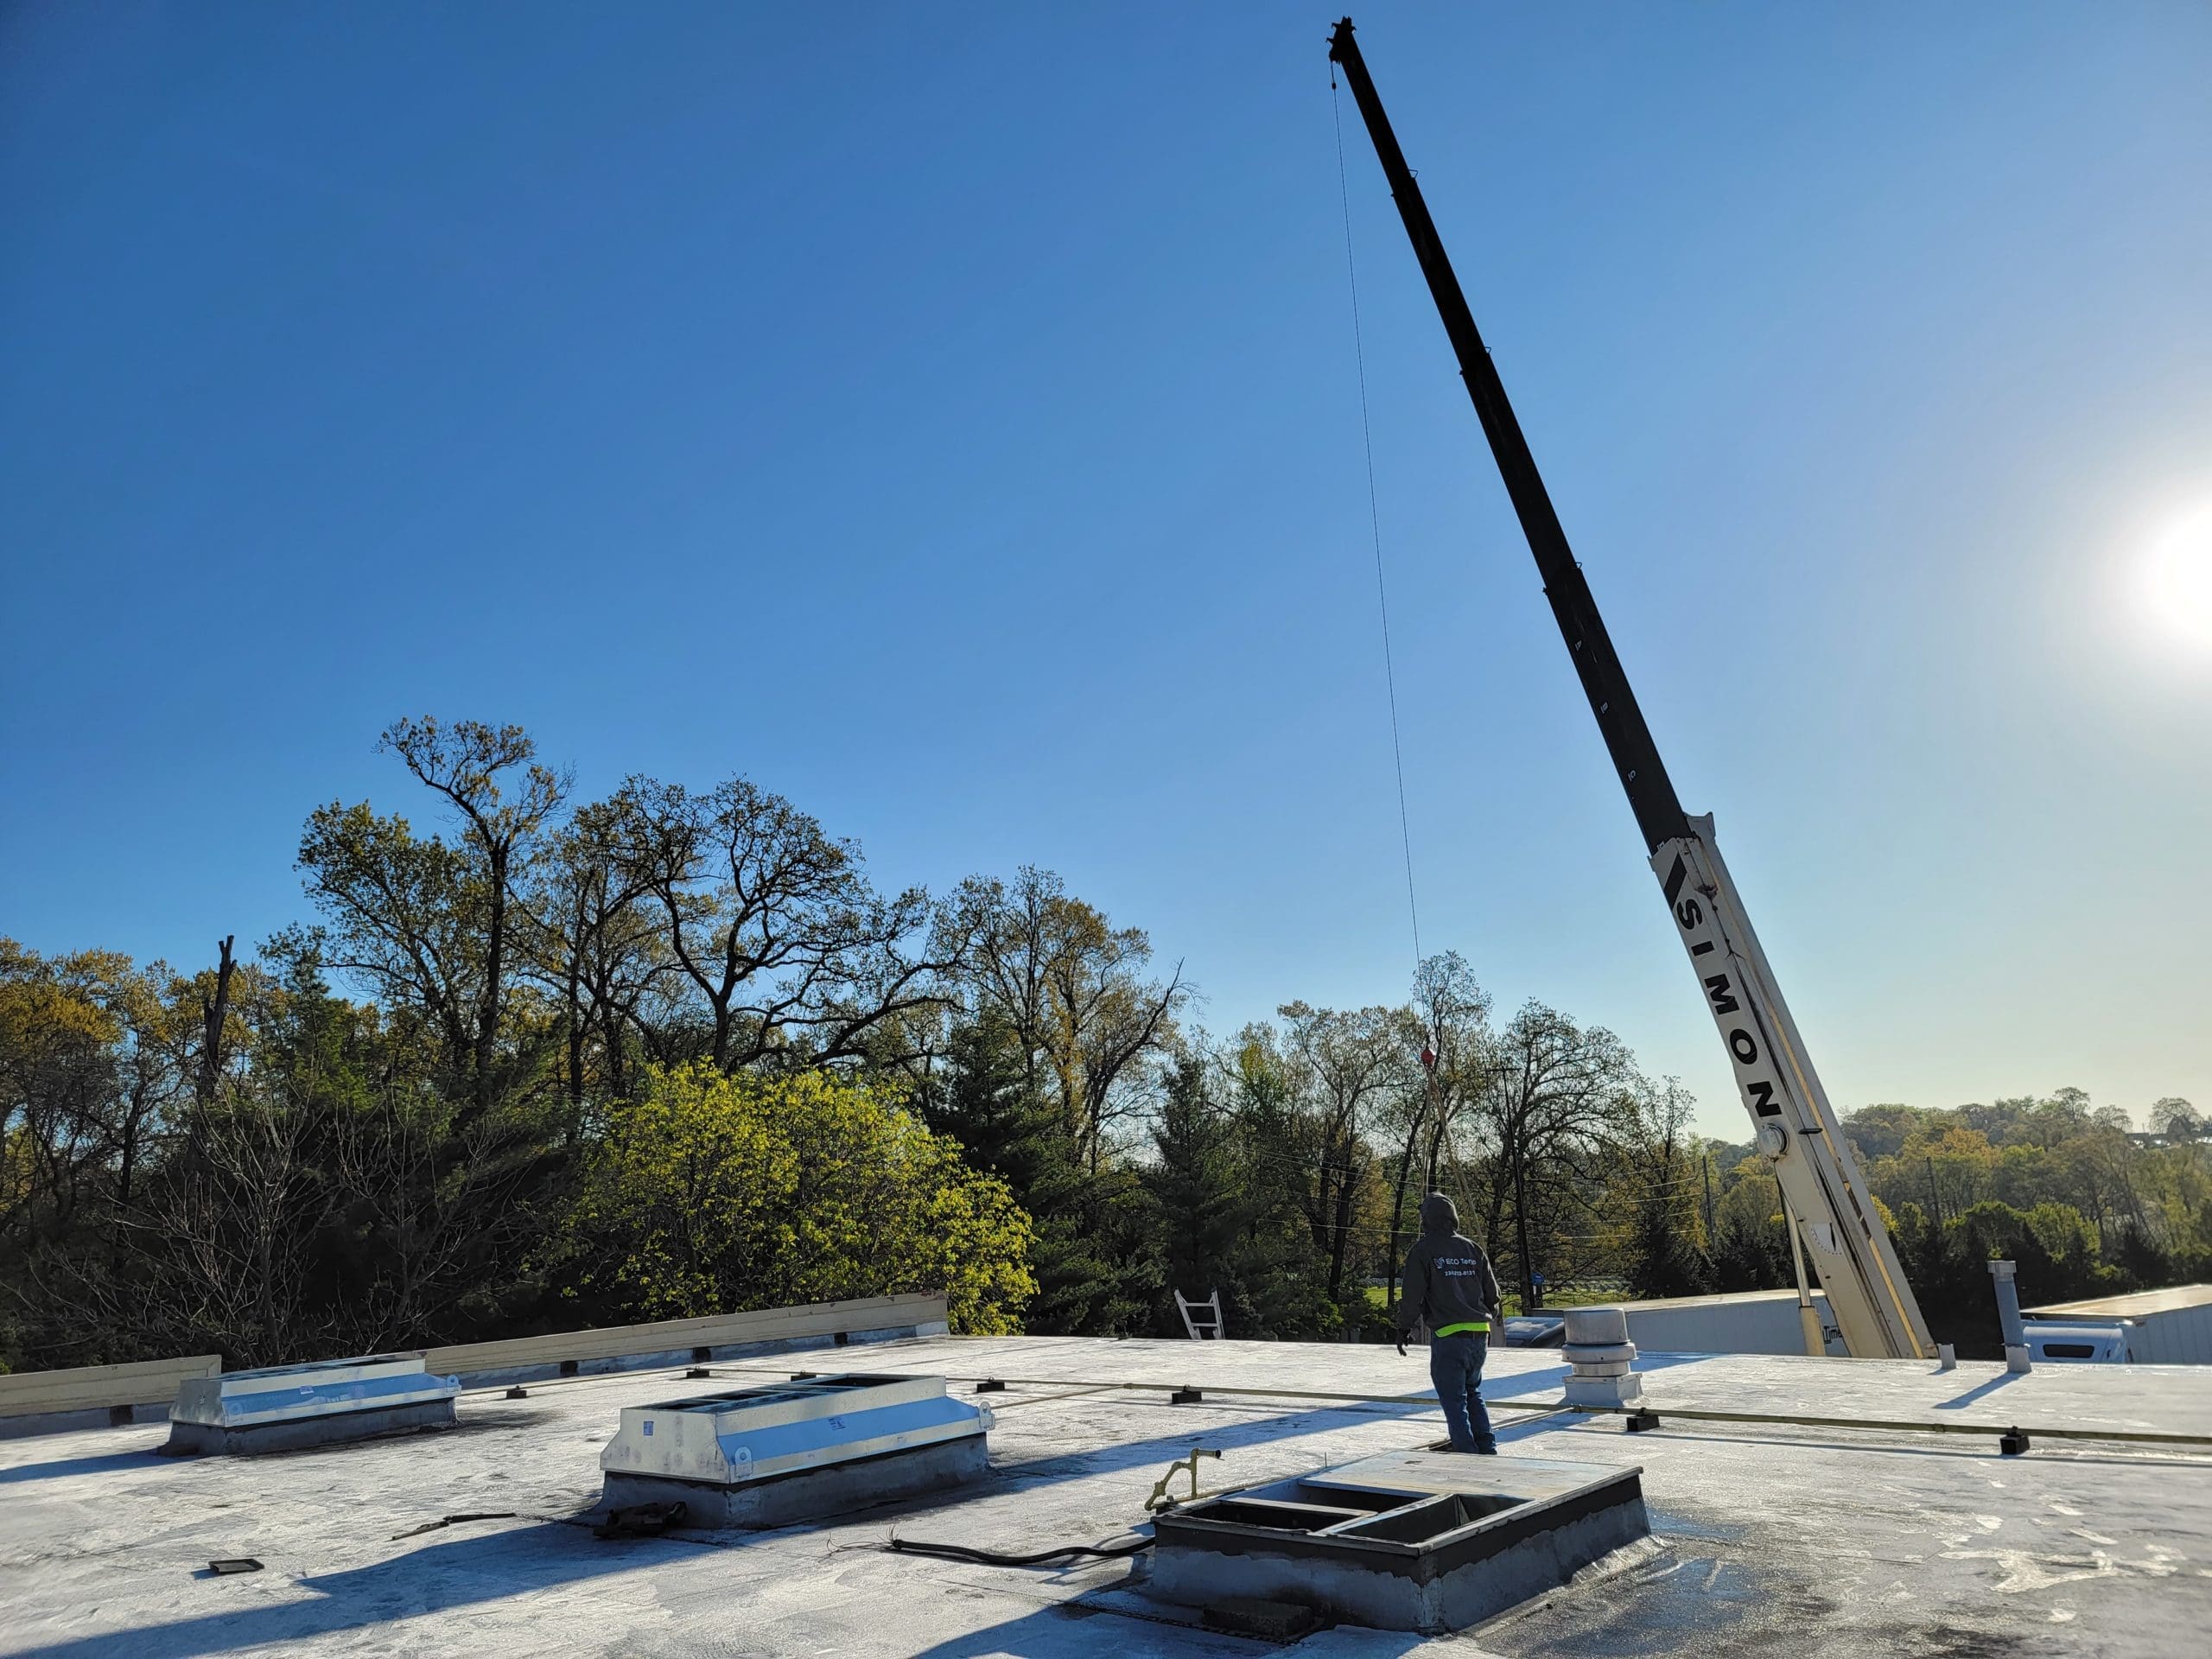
<point>1202,1319</point>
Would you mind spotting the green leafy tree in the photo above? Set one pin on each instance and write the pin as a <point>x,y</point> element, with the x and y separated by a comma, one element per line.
<point>1281,1269</point>
<point>434,928</point>
<point>1750,1242</point>
<point>714,1192</point>
<point>1089,1251</point>
<point>1071,987</point>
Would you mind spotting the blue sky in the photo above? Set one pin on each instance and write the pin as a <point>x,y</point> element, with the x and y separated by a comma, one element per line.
<point>948,418</point>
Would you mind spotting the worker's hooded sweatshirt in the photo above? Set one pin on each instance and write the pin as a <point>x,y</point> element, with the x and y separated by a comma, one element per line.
<point>1449,1284</point>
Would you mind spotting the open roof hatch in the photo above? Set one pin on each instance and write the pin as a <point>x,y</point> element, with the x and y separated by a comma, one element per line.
<point>1412,1541</point>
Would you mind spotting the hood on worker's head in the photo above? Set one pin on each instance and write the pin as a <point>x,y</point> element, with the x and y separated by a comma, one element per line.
<point>1439,1215</point>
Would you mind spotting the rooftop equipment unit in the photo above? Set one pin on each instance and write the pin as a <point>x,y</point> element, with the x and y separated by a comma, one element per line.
<point>2164,1328</point>
<point>1409,1540</point>
<point>323,1403</point>
<point>794,1450</point>
<point>2064,1343</point>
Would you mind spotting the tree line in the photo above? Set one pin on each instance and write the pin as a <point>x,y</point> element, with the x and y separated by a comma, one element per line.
<point>556,1062</point>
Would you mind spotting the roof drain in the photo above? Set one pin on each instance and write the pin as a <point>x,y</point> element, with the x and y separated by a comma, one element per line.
<point>795,1451</point>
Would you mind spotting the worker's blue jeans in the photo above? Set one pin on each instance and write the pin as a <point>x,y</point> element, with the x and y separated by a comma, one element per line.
<point>1455,1365</point>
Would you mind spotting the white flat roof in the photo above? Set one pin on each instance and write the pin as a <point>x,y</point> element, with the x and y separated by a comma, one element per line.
<point>1771,1538</point>
<point>2139,1304</point>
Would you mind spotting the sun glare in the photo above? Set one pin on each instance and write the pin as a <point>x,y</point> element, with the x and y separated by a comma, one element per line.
<point>2177,587</point>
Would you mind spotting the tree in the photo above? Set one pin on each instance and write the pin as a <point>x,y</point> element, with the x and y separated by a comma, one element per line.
<point>59,1038</point>
<point>1093,1275</point>
<point>1197,1192</point>
<point>714,1192</point>
<point>226,1238</point>
<point>1664,1250</point>
<point>431,926</point>
<point>432,1200</point>
<point>2176,1119</point>
<point>1750,1244</point>
<point>1280,1275</point>
<point>1555,1106</point>
<point>596,946</point>
<point>97,1065</point>
<point>984,1100</point>
<point>1456,1060</point>
<point>1347,1065</point>
<point>787,954</point>
<point>1070,987</point>
<point>214,1019</point>
<point>1881,1131</point>
<point>465,763</point>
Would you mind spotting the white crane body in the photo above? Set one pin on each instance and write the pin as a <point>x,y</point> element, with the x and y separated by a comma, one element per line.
<point>1796,1129</point>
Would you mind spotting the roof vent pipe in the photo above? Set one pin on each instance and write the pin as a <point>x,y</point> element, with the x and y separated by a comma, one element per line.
<point>1602,1357</point>
<point>2008,1317</point>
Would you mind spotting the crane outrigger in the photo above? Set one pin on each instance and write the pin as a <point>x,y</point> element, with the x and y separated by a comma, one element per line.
<point>1796,1128</point>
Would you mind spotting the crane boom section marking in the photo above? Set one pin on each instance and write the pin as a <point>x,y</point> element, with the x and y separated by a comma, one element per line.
<point>1853,1254</point>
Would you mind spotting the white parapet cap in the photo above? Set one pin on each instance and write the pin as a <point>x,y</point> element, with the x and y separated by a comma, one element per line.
<point>748,1434</point>
<point>320,1388</point>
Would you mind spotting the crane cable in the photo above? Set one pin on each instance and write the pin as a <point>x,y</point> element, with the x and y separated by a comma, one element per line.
<point>1375,521</point>
<point>1429,1054</point>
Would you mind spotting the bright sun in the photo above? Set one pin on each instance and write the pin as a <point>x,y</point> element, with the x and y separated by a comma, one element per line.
<point>2176,586</point>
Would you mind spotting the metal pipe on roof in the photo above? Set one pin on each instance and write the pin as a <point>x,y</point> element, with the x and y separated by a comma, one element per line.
<point>1217,1391</point>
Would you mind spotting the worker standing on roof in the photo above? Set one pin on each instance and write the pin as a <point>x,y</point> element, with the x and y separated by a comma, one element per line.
<point>1451,1288</point>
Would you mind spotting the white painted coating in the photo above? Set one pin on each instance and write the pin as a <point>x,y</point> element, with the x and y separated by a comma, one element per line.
<point>1770,1539</point>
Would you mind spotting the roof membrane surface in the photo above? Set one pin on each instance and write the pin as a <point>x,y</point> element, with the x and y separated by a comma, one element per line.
<point>1767,1538</point>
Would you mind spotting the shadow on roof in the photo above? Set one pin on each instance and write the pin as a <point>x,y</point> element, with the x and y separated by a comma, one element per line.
<point>1071,1631</point>
<point>452,1573</point>
<point>1959,1401</point>
<point>62,1468</point>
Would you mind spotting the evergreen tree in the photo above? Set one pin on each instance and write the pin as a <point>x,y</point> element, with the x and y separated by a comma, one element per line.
<point>1281,1273</point>
<point>1663,1258</point>
<point>1198,1197</point>
<point>1093,1271</point>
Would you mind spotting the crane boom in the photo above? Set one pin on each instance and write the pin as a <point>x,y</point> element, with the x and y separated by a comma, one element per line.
<point>1796,1130</point>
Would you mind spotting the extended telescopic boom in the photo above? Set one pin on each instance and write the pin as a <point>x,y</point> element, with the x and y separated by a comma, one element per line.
<point>1866,1289</point>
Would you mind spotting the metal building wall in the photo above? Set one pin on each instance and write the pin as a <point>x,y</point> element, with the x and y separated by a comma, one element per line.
<point>2178,1336</point>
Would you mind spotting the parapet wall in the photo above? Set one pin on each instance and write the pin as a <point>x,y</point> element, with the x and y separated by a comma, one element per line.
<point>34,1402</point>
